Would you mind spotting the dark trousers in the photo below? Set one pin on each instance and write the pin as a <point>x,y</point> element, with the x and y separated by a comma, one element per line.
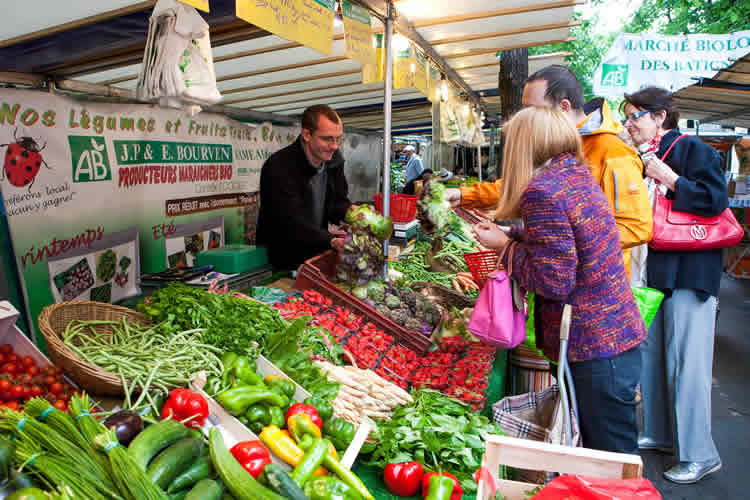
<point>605,392</point>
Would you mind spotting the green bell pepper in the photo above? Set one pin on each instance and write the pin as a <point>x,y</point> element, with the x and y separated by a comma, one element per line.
<point>282,385</point>
<point>330,488</point>
<point>324,407</point>
<point>238,399</point>
<point>277,416</point>
<point>339,432</point>
<point>347,476</point>
<point>258,416</point>
<point>312,460</point>
<point>239,370</point>
<point>440,488</point>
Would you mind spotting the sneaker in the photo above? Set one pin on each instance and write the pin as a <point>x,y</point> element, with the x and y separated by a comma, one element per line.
<point>691,472</point>
<point>645,443</point>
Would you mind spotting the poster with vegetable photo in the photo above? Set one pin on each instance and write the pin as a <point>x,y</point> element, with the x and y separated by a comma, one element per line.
<point>189,239</point>
<point>105,272</point>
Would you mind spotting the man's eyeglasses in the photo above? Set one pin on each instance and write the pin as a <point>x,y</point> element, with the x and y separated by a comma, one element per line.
<point>332,140</point>
<point>634,116</point>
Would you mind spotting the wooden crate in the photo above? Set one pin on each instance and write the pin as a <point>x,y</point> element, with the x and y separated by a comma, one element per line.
<point>533,455</point>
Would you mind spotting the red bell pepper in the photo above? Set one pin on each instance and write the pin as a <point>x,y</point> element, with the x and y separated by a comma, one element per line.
<point>301,408</point>
<point>458,492</point>
<point>183,404</point>
<point>403,479</point>
<point>252,456</point>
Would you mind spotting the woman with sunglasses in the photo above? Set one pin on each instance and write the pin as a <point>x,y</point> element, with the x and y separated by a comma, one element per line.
<point>678,353</point>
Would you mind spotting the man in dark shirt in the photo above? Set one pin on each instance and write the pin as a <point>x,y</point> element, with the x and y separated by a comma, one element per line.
<point>302,190</point>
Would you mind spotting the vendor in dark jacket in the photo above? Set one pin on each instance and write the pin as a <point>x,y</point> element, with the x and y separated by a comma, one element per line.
<point>302,190</point>
<point>678,352</point>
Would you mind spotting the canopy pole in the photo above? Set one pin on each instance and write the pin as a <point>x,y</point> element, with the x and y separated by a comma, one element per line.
<point>387,108</point>
<point>479,162</point>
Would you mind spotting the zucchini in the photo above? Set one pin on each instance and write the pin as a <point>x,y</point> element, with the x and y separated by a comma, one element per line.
<point>173,461</point>
<point>155,438</point>
<point>236,479</point>
<point>179,495</point>
<point>282,483</point>
<point>206,489</point>
<point>200,469</point>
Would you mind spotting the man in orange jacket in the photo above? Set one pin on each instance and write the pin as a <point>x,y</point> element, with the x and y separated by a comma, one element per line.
<point>615,165</point>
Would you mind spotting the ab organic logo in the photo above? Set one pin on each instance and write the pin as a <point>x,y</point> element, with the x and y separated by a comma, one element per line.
<point>614,75</point>
<point>90,160</point>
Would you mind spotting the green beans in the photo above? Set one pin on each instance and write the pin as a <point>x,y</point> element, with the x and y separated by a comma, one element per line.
<point>144,357</point>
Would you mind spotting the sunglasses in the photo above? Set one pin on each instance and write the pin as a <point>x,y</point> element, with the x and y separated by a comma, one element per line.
<point>634,116</point>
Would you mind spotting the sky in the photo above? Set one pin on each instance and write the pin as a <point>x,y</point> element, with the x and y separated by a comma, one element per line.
<point>612,13</point>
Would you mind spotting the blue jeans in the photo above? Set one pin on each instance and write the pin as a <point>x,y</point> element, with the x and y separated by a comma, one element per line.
<point>605,392</point>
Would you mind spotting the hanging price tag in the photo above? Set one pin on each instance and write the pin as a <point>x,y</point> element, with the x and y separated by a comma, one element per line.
<point>357,34</point>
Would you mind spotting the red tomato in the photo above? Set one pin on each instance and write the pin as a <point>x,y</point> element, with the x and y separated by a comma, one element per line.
<point>12,405</point>
<point>12,357</point>
<point>28,361</point>
<point>56,371</point>
<point>6,349</point>
<point>17,391</point>
<point>32,370</point>
<point>50,380</point>
<point>5,385</point>
<point>56,388</point>
<point>61,405</point>
<point>49,370</point>
<point>2,358</point>
<point>25,378</point>
<point>36,391</point>
<point>10,368</point>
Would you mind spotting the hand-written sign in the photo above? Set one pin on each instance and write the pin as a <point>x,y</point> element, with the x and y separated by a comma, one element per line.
<point>357,34</point>
<point>309,22</point>
<point>198,4</point>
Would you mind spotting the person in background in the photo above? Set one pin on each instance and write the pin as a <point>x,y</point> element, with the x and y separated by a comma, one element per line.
<point>568,252</point>
<point>425,176</point>
<point>302,190</point>
<point>678,354</point>
<point>414,166</point>
<point>615,166</point>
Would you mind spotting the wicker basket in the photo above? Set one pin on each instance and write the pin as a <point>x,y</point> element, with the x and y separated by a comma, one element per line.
<point>55,318</point>
<point>446,296</point>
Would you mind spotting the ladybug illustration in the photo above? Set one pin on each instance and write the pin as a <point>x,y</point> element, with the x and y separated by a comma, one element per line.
<point>23,161</point>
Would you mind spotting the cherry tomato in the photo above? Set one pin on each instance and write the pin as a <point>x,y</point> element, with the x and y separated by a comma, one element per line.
<point>25,378</point>
<point>6,348</point>
<point>12,357</point>
<point>5,385</point>
<point>28,361</point>
<point>32,370</point>
<point>56,388</point>
<point>11,368</point>
<point>12,405</point>
<point>50,380</point>
<point>57,371</point>
<point>61,405</point>
<point>17,391</point>
<point>36,391</point>
<point>2,358</point>
<point>49,370</point>
<point>26,392</point>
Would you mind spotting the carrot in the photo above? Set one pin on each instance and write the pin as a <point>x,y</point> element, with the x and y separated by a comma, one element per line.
<point>455,285</point>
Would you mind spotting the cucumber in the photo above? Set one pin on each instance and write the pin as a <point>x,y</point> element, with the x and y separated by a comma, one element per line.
<point>282,483</point>
<point>206,489</point>
<point>155,438</point>
<point>179,495</point>
<point>236,479</point>
<point>200,469</point>
<point>173,461</point>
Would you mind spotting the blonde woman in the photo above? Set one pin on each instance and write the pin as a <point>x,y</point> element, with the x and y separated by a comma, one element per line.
<point>569,252</point>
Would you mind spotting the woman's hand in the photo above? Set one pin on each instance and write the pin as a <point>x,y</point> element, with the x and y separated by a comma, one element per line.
<point>490,235</point>
<point>660,171</point>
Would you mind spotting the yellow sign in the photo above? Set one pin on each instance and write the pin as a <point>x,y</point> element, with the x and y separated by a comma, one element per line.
<point>357,33</point>
<point>420,73</point>
<point>404,67</point>
<point>373,73</point>
<point>433,83</point>
<point>309,22</point>
<point>198,4</point>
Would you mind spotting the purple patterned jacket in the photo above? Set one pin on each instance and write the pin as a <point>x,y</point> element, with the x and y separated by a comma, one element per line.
<point>569,253</point>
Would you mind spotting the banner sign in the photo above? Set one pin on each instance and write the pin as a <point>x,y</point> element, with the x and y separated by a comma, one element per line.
<point>433,83</point>
<point>404,67</point>
<point>420,72</point>
<point>94,191</point>
<point>374,73</point>
<point>357,34</point>
<point>309,22</point>
<point>672,62</point>
<point>198,4</point>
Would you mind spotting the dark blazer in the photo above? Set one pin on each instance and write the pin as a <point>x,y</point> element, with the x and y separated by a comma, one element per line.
<point>283,224</point>
<point>701,190</point>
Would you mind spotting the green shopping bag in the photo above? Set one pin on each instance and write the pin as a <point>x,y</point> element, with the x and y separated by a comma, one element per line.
<point>648,301</point>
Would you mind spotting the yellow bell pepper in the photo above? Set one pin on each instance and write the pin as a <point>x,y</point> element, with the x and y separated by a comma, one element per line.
<point>281,445</point>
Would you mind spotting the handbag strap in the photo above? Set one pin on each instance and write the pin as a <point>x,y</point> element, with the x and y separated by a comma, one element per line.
<point>669,150</point>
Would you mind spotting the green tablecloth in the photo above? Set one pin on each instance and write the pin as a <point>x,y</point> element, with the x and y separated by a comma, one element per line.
<point>373,476</point>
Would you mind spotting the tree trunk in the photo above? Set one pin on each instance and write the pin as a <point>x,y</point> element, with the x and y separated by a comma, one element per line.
<point>514,70</point>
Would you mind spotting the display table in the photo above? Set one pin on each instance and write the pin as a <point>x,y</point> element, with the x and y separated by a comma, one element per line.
<point>743,202</point>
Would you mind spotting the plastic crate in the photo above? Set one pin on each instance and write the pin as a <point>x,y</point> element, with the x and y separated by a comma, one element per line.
<point>314,274</point>
<point>481,264</point>
<point>403,206</point>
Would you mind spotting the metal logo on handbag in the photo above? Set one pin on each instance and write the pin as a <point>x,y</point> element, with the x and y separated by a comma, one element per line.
<point>682,231</point>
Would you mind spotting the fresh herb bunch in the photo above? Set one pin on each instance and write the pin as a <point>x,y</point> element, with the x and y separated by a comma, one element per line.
<point>438,432</point>
<point>319,342</point>
<point>231,324</point>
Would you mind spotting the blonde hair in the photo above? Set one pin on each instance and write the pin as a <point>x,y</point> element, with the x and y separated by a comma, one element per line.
<point>533,136</point>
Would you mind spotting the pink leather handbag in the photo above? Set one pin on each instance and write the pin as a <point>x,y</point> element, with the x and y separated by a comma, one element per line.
<point>496,320</point>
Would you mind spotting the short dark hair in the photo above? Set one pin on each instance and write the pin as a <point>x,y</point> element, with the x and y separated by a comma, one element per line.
<point>561,84</point>
<point>654,99</point>
<point>311,116</point>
